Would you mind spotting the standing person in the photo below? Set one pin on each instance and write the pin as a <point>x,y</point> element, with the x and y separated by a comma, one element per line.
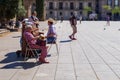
<point>73,22</point>
<point>108,20</point>
<point>51,34</point>
<point>61,19</point>
<point>80,18</point>
<point>34,19</point>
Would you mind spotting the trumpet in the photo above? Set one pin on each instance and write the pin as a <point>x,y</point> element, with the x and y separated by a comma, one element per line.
<point>42,37</point>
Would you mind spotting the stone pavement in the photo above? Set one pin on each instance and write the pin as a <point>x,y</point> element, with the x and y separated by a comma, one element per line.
<point>95,55</point>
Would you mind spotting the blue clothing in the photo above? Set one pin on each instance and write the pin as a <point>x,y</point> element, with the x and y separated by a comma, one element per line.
<point>51,39</point>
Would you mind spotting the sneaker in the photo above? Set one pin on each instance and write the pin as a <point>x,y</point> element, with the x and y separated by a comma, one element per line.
<point>74,39</point>
<point>70,37</point>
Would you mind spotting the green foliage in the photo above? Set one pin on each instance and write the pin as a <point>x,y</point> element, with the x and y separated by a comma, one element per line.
<point>21,9</point>
<point>107,8</point>
<point>8,8</point>
<point>87,9</point>
<point>116,10</point>
<point>40,9</point>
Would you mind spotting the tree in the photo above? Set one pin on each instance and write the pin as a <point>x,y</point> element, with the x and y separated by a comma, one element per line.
<point>21,9</point>
<point>40,9</point>
<point>115,10</point>
<point>87,9</point>
<point>107,8</point>
<point>8,6</point>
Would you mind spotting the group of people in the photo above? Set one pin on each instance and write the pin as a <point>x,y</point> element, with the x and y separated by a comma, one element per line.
<point>32,35</point>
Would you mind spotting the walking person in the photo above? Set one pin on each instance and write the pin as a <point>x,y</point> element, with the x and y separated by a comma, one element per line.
<point>108,20</point>
<point>73,22</point>
<point>61,19</point>
<point>80,18</point>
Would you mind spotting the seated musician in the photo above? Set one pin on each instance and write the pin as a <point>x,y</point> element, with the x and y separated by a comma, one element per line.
<point>34,19</point>
<point>32,41</point>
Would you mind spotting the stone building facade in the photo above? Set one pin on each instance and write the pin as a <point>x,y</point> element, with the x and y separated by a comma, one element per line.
<point>64,8</point>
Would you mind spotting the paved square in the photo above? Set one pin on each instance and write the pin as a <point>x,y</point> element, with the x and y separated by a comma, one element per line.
<point>95,55</point>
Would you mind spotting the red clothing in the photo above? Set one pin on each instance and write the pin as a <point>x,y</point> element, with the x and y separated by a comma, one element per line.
<point>32,42</point>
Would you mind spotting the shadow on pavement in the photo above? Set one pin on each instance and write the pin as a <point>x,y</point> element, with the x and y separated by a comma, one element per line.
<point>11,57</point>
<point>64,41</point>
<point>12,62</point>
<point>20,65</point>
<point>16,36</point>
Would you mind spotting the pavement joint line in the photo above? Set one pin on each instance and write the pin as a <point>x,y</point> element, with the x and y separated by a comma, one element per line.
<point>14,73</point>
<point>73,62</point>
<point>57,60</point>
<point>35,72</point>
<point>107,50</point>
<point>102,59</point>
<point>75,74</point>
<point>108,42</point>
<point>89,61</point>
<point>112,56</point>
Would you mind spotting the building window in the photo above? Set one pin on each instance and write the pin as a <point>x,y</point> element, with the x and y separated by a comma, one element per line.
<point>60,13</point>
<point>71,13</point>
<point>60,5</point>
<point>50,5</point>
<point>51,12</point>
<point>71,5</point>
<point>90,4</point>
<point>116,3</point>
<point>109,2</point>
<point>81,13</point>
<point>80,5</point>
<point>66,5</point>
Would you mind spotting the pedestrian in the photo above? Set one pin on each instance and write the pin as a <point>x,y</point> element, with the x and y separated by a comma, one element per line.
<point>108,20</point>
<point>73,22</point>
<point>80,18</point>
<point>61,19</point>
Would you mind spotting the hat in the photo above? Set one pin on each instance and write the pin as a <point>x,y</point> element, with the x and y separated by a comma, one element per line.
<point>28,26</point>
<point>25,20</point>
<point>29,23</point>
<point>52,20</point>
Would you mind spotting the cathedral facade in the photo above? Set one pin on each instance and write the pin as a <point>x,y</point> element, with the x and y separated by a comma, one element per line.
<point>64,8</point>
